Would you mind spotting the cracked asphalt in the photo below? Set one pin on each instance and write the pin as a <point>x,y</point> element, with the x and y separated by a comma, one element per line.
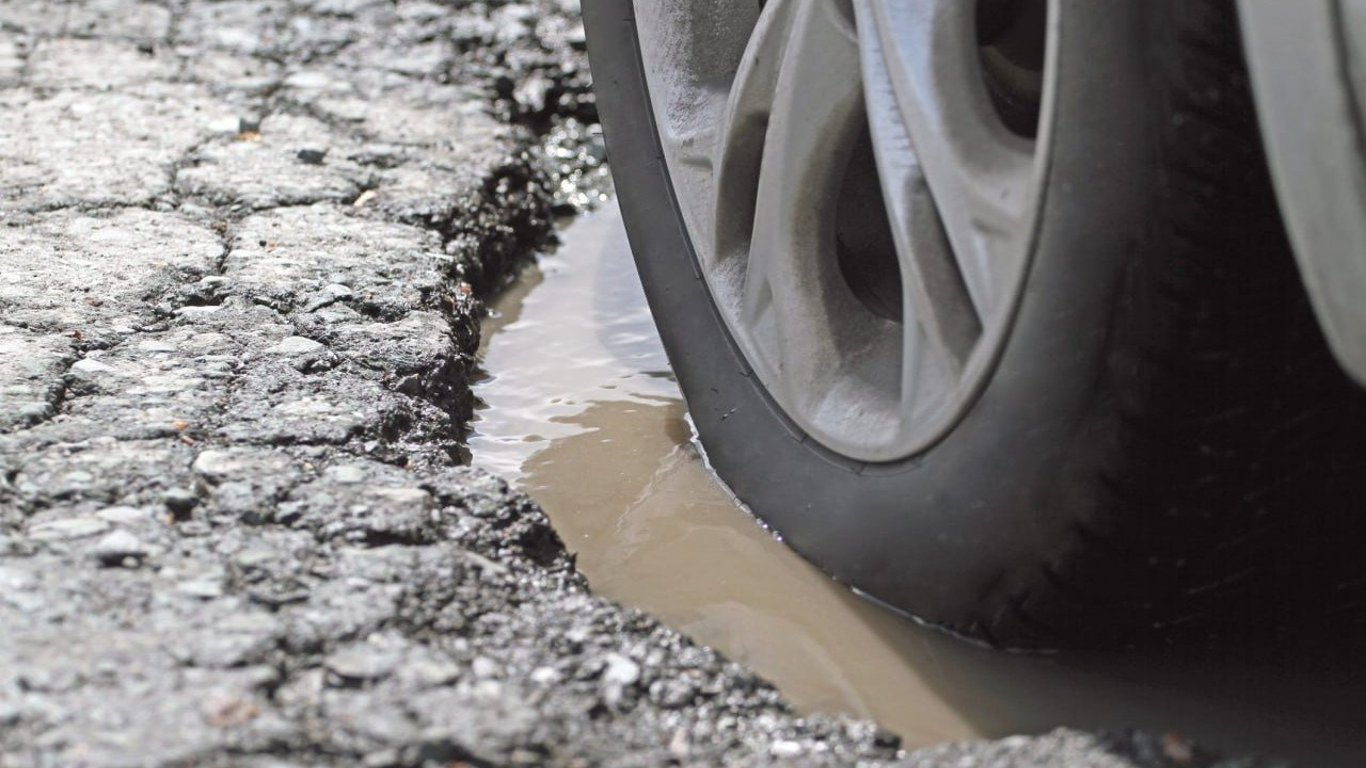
<point>244,251</point>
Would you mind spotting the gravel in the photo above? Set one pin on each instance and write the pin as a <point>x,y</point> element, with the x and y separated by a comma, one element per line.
<point>245,248</point>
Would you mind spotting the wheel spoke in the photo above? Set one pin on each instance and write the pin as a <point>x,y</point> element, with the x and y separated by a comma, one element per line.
<point>745,128</point>
<point>789,126</point>
<point>793,118</point>
<point>980,175</point>
<point>933,291</point>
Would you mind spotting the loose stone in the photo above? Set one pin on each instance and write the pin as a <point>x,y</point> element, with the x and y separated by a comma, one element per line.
<point>120,548</point>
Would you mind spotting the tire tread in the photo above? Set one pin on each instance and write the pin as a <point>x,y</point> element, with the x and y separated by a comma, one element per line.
<point>1218,381</point>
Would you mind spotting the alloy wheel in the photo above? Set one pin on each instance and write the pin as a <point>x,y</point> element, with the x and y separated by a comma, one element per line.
<point>861,180</point>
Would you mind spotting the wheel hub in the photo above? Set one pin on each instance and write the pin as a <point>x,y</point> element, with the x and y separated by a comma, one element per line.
<point>860,180</point>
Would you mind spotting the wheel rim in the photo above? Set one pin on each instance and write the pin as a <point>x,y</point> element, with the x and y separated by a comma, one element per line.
<point>861,182</point>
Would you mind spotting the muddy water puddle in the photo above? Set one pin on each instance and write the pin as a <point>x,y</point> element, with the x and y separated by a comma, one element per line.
<point>581,411</point>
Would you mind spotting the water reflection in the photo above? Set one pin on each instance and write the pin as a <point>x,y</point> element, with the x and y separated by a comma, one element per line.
<point>582,413</point>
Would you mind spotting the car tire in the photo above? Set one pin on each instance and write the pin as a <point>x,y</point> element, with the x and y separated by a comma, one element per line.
<point>1164,443</point>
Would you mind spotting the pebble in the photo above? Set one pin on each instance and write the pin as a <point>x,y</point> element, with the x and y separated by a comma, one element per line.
<point>672,694</point>
<point>118,548</point>
<point>296,345</point>
<point>78,477</point>
<point>196,311</point>
<point>484,667</point>
<point>13,580</point>
<point>124,515</point>
<point>361,664</point>
<point>89,366</point>
<point>155,345</point>
<point>384,758</point>
<point>346,474</point>
<point>254,557</point>
<point>216,465</point>
<point>618,674</point>
<point>330,294</point>
<point>489,690</point>
<point>68,529</point>
<point>429,673</point>
<point>620,670</point>
<point>204,589</point>
<point>545,676</point>
<point>679,746</point>
<point>181,501</point>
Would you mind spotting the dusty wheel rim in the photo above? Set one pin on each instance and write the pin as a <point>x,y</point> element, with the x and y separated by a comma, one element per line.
<point>861,181</point>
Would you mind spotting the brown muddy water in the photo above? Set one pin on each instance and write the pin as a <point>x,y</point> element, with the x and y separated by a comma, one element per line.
<point>580,410</point>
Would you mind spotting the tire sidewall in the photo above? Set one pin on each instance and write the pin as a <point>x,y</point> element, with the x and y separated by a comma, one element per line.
<point>950,534</point>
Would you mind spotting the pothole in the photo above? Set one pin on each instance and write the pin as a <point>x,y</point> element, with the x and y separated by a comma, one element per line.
<point>581,411</point>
